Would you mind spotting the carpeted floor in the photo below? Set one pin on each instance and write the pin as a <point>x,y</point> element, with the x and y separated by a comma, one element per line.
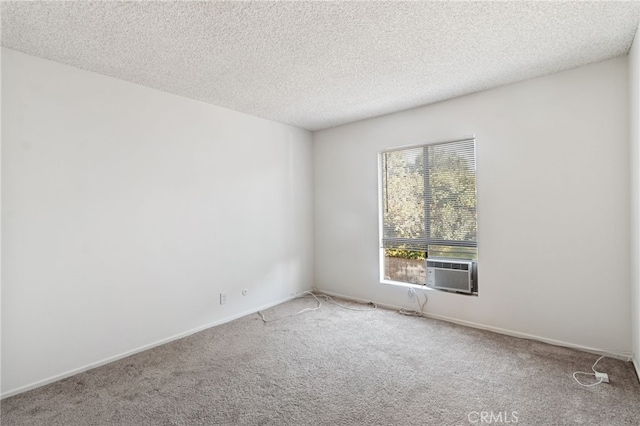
<point>338,367</point>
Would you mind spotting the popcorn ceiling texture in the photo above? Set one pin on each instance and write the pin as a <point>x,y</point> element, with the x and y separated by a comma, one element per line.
<point>316,65</point>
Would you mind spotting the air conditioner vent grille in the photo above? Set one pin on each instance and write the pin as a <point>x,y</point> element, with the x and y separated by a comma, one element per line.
<point>448,265</point>
<point>450,274</point>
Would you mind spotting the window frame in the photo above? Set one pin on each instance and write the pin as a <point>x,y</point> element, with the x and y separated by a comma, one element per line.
<point>426,240</point>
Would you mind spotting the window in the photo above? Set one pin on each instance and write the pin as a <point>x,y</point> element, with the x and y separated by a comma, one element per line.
<point>428,207</point>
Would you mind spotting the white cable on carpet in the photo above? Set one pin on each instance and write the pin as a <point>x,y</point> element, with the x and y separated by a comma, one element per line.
<point>327,297</point>
<point>409,312</point>
<point>297,313</point>
<point>589,374</point>
<point>330,299</point>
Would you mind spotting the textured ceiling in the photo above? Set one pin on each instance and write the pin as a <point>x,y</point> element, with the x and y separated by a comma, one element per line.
<point>320,64</point>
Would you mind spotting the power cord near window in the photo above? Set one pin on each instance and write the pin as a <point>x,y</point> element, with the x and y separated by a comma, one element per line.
<point>413,313</point>
<point>316,296</point>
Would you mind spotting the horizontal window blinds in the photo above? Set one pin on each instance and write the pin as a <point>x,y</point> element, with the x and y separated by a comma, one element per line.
<point>429,196</point>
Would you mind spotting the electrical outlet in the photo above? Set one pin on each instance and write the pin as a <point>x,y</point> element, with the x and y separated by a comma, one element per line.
<point>604,377</point>
<point>223,298</point>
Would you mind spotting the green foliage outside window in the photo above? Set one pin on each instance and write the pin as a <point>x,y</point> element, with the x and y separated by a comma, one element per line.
<point>405,254</point>
<point>451,202</point>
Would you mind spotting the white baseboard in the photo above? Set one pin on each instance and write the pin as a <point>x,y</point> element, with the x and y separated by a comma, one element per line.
<point>636,364</point>
<point>108,360</point>
<point>138,350</point>
<point>609,353</point>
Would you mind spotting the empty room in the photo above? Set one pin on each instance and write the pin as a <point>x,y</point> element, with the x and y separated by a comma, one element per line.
<point>320,213</point>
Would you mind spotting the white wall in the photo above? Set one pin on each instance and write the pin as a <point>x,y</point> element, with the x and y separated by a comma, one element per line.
<point>553,206</point>
<point>634,121</point>
<point>128,210</point>
<point>0,222</point>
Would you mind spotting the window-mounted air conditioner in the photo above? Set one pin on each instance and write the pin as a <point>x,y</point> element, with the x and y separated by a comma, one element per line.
<point>450,274</point>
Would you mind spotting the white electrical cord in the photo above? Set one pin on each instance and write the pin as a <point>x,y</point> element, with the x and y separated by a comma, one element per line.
<point>409,312</point>
<point>418,299</point>
<point>419,313</point>
<point>297,313</point>
<point>330,299</point>
<point>327,297</point>
<point>589,374</point>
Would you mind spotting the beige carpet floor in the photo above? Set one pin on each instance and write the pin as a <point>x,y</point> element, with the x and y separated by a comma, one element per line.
<point>338,367</point>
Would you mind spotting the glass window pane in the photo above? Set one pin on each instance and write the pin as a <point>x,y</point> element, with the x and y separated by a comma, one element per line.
<point>405,266</point>
<point>469,253</point>
<point>452,192</point>
<point>403,194</point>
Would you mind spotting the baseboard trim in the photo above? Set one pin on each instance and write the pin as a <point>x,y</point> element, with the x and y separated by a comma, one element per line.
<point>613,354</point>
<point>111,359</point>
<point>637,367</point>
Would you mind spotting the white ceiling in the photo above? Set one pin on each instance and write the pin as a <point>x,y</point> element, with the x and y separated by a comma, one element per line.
<point>320,64</point>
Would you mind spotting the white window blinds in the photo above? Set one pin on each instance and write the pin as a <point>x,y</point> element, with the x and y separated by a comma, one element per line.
<point>429,196</point>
